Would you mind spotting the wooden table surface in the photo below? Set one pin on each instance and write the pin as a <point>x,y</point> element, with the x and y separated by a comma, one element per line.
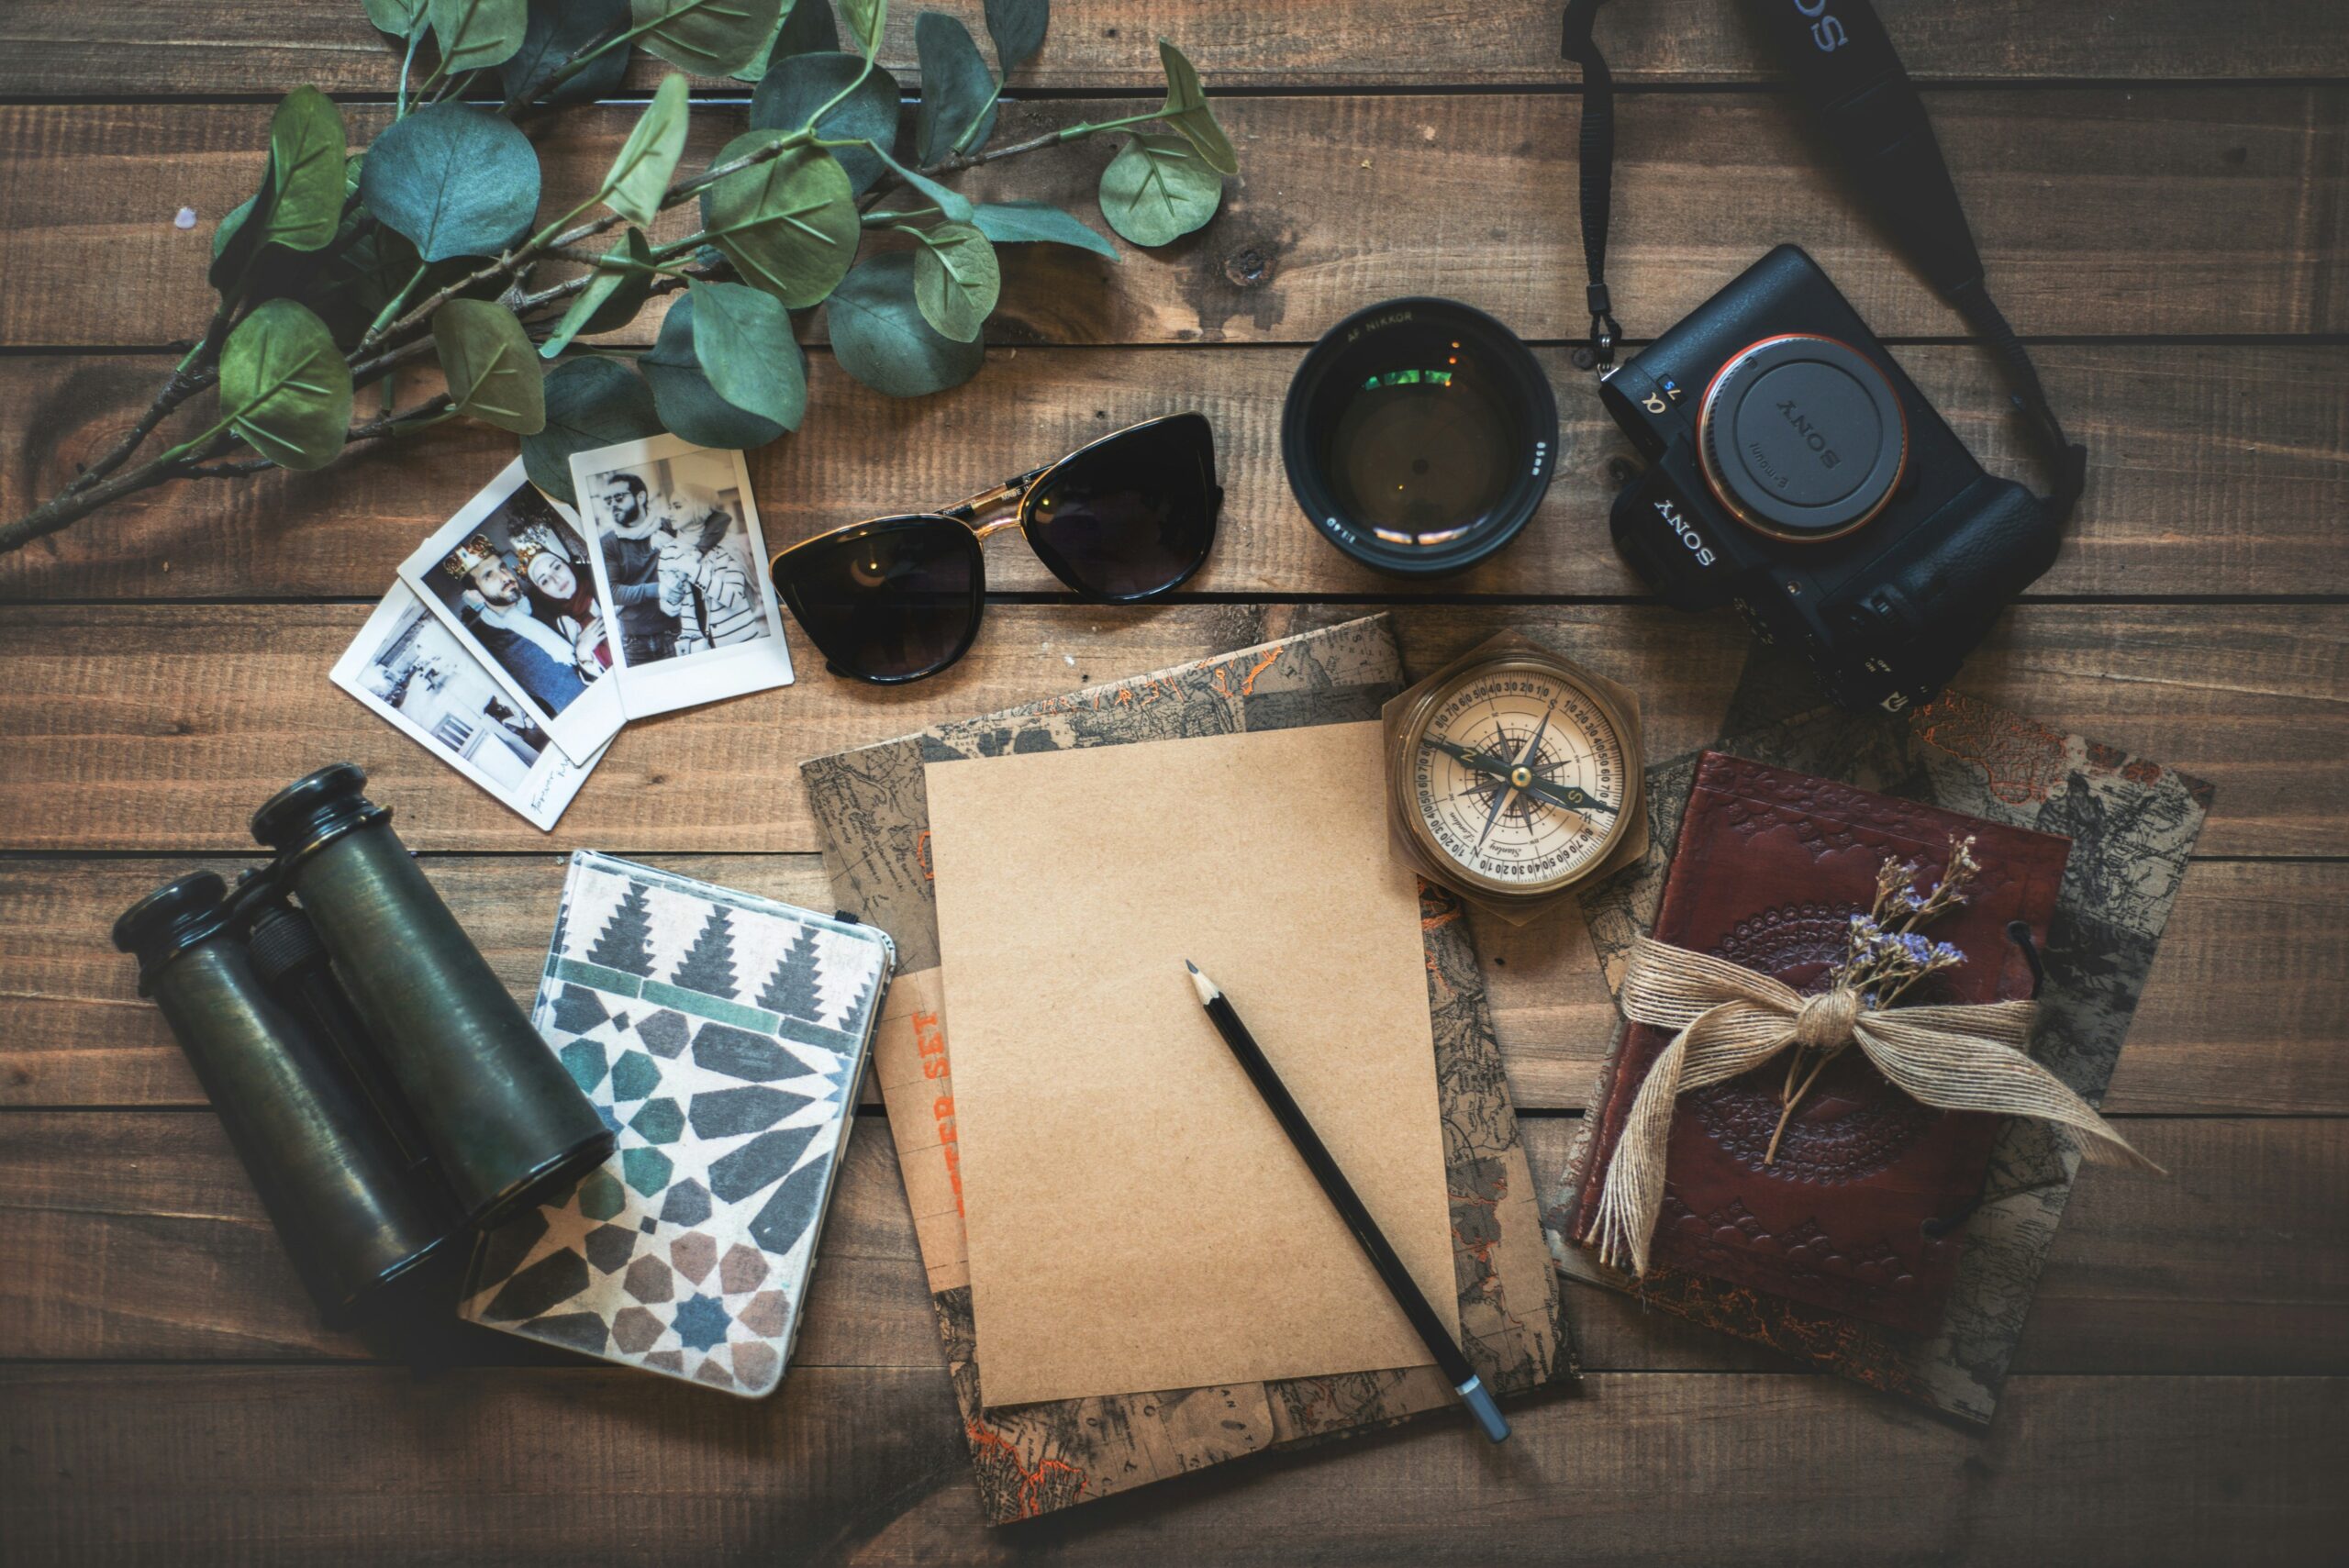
<point>2158,186</point>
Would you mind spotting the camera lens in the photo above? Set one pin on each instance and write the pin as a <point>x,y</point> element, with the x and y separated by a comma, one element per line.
<point>1420,436</point>
<point>1802,437</point>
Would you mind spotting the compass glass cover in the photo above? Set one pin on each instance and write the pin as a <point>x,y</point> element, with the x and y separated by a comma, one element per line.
<point>1520,778</point>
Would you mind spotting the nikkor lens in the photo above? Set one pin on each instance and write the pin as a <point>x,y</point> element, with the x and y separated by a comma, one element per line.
<point>1802,437</point>
<point>1420,436</point>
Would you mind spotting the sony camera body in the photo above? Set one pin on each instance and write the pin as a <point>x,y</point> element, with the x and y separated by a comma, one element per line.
<point>1794,471</point>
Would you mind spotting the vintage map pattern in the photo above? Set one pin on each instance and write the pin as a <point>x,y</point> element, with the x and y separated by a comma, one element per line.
<point>2132,823</point>
<point>1034,1459</point>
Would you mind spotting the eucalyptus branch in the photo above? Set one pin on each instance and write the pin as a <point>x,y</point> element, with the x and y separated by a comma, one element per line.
<point>515,262</point>
<point>465,178</point>
<point>955,162</point>
<point>187,378</point>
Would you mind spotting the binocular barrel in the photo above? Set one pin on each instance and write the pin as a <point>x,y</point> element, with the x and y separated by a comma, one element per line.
<point>382,1086</point>
<point>498,1111</point>
<point>333,1182</point>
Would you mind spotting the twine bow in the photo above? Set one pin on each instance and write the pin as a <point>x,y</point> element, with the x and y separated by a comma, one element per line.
<point>1729,1019</point>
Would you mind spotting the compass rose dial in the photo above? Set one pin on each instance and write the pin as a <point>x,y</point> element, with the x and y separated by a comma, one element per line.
<point>1517,774</point>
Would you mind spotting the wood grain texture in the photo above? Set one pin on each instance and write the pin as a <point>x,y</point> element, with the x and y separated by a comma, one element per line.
<point>196,46</point>
<point>2210,472</point>
<point>2099,210</point>
<point>560,1466</point>
<point>135,1236</point>
<point>146,728</point>
<point>2242,1016</point>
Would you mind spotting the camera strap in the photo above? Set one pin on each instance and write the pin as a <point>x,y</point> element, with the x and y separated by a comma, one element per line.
<point>1842,62</point>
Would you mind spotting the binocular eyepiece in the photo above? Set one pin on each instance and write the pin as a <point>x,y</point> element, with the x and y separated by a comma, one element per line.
<point>384,1091</point>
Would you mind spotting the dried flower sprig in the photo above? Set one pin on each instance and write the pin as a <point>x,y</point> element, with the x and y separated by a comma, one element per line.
<point>1883,956</point>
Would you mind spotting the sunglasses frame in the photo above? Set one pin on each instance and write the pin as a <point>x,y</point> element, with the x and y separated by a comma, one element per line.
<point>1019,493</point>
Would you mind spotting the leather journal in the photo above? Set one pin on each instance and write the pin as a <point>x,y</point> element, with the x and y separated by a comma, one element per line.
<point>1862,1209</point>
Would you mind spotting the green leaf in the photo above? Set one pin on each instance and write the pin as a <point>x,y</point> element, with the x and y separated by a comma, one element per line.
<point>807,29</point>
<point>493,373</point>
<point>640,175</point>
<point>558,30</point>
<point>1017,28</point>
<point>954,206</point>
<point>789,224</point>
<point>1016,223</point>
<point>956,280</point>
<point>687,402</point>
<point>231,246</point>
<point>456,180</point>
<point>865,20</point>
<point>398,18</point>
<point>1158,190</point>
<point>611,298</point>
<point>306,158</point>
<point>743,339</point>
<point>879,336</point>
<point>802,84</point>
<point>957,88</point>
<point>360,278</point>
<point>475,34</point>
<point>591,403</point>
<point>714,37</point>
<point>283,387</point>
<point>1187,115</point>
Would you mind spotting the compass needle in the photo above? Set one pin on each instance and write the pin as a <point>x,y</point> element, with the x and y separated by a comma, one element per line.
<point>1543,783</point>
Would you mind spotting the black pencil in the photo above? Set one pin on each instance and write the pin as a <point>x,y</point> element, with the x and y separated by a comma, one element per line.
<point>1324,1166</point>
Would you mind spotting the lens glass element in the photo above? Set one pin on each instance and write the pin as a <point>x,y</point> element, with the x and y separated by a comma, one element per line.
<point>1420,453</point>
<point>894,600</point>
<point>1420,436</point>
<point>1133,513</point>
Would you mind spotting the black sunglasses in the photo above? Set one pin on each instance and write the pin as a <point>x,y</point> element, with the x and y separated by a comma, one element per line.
<point>1121,521</point>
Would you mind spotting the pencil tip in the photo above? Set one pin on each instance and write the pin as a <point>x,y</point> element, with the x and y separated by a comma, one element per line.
<point>1206,987</point>
<point>1189,965</point>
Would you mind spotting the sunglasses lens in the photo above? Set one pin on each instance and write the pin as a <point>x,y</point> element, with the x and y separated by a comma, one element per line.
<point>1133,515</point>
<point>896,601</point>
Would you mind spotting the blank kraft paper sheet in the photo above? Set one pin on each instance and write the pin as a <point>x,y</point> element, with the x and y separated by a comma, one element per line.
<point>1137,1220</point>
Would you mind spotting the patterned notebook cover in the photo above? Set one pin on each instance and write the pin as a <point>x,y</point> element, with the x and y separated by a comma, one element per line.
<point>1034,1459</point>
<point>721,1036</point>
<point>2132,823</point>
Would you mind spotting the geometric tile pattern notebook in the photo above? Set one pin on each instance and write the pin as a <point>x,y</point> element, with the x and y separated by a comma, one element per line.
<point>872,807</point>
<point>720,1036</point>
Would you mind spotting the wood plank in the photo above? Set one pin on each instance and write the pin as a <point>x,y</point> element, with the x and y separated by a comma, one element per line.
<point>147,728</point>
<point>55,47</point>
<point>2209,472</point>
<point>2099,210</point>
<point>2243,1015</point>
<point>135,1236</point>
<point>363,1465</point>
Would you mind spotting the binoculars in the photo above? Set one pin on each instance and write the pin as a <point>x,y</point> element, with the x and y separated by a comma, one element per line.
<point>385,1093</point>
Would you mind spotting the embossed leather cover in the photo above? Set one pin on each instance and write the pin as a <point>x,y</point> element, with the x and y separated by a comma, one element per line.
<point>1863,1210</point>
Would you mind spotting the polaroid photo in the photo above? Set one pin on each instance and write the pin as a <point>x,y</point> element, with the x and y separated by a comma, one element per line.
<point>681,572</point>
<point>509,576</point>
<point>415,674</point>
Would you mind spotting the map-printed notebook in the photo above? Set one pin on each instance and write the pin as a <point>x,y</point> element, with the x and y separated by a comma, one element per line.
<point>721,1036</point>
<point>872,808</point>
<point>2132,823</point>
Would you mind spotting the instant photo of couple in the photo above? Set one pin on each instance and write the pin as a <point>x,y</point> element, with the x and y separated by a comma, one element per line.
<point>659,603</point>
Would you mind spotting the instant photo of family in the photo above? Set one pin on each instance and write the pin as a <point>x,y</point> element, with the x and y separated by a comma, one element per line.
<point>511,577</point>
<point>412,672</point>
<point>680,568</point>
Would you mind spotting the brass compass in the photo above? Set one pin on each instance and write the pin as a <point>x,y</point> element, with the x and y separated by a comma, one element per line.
<point>1513,776</point>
